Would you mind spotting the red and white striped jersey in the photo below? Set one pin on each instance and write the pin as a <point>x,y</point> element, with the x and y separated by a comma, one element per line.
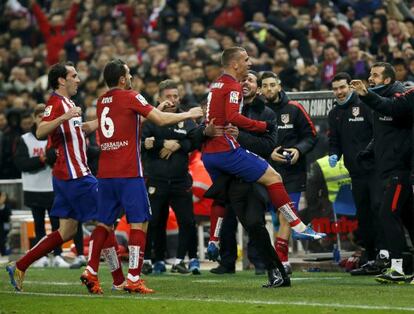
<point>119,117</point>
<point>68,140</point>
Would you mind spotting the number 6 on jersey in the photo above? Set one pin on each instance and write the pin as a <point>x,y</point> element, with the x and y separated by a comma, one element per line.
<point>107,125</point>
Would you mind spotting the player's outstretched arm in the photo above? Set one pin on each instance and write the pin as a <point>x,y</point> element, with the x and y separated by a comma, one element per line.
<point>90,126</point>
<point>47,127</point>
<point>166,118</point>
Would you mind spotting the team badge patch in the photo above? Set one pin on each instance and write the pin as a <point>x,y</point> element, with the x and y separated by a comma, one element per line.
<point>285,118</point>
<point>355,111</point>
<point>151,190</point>
<point>142,99</point>
<point>48,111</point>
<point>181,124</point>
<point>234,97</point>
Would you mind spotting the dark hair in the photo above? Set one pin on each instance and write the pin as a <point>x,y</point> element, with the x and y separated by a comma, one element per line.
<point>265,75</point>
<point>254,73</point>
<point>389,71</point>
<point>327,46</point>
<point>57,71</point>
<point>39,109</point>
<point>25,115</point>
<point>342,76</point>
<point>167,84</point>
<point>399,61</point>
<point>230,54</point>
<point>113,72</point>
<point>200,81</point>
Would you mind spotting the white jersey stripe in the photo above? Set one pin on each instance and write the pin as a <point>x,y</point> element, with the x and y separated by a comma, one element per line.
<point>140,172</point>
<point>67,149</point>
<point>78,148</point>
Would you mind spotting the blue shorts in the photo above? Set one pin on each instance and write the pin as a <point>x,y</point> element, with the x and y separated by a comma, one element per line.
<point>123,193</point>
<point>295,197</point>
<point>76,199</point>
<point>238,162</point>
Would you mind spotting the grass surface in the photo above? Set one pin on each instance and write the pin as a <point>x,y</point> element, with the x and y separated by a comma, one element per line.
<point>59,291</point>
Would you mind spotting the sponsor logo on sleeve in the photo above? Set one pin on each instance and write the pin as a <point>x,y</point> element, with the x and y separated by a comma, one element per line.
<point>234,97</point>
<point>48,111</point>
<point>142,100</point>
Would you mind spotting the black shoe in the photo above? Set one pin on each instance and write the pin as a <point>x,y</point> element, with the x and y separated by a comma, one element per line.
<point>180,268</point>
<point>146,269</point>
<point>276,279</point>
<point>288,268</point>
<point>372,268</point>
<point>392,276</point>
<point>221,270</point>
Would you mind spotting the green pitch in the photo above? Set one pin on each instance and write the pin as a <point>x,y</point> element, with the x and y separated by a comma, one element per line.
<point>59,291</point>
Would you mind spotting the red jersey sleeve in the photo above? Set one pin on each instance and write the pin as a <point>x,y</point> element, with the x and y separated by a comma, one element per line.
<point>233,99</point>
<point>52,111</point>
<point>140,105</point>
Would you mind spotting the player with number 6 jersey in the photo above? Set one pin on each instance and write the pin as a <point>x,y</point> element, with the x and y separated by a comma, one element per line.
<point>120,133</point>
<point>121,184</point>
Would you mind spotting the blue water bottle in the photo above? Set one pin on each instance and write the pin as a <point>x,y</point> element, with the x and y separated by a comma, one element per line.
<point>336,254</point>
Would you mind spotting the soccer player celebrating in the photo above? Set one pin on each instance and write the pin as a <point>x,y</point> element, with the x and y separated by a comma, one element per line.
<point>223,155</point>
<point>121,184</point>
<point>73,185</point>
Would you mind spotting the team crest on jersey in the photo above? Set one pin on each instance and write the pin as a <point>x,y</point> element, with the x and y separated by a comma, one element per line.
<point>151,189</point>
<point>285,118</point>
<point>234,97</point>
<point>355,111</point>
<point>142,99</point>
<point>181,124</point>
<point>48,111</point>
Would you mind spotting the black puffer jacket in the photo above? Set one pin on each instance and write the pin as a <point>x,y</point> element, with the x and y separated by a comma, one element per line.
<point>350,131</point>
<point>393,119</point>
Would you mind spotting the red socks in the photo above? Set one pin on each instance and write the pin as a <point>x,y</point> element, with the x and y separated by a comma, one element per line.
<point>110,249</point>
<point>216,219</point>
<point>282,249</point>
<point>281,201</point>
<point>44,246</point>
<point>98,238</point>
<point>136,246</point>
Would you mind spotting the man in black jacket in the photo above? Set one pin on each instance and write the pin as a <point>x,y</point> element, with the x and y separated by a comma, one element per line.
<point>392,149</point>
<point>350,131</point>
<point>296,137</point>
<point>169,184</point>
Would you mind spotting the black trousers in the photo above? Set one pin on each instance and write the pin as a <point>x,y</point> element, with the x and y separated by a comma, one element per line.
<point>179,196</point>
<point>366,192</point>
<point>396,213</point>
<point>39,224</point>
<point>228,244</point>
<point>249,206</point>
